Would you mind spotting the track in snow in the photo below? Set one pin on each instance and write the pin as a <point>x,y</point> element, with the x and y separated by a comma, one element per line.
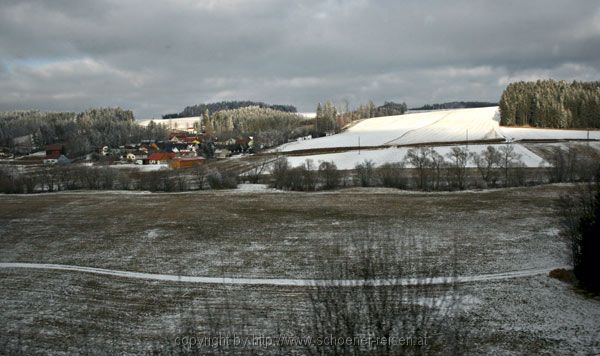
<point>284,282</point>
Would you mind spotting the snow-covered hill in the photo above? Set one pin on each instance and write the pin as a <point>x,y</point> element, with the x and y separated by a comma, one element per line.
<point>434,127</point>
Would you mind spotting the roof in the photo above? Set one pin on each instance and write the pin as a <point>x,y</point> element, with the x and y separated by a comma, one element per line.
<point>188,159</point>
<point>54,147</point>
<point>160,156</point>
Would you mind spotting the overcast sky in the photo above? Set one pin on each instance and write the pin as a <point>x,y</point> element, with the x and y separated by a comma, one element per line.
<point>157,57</point>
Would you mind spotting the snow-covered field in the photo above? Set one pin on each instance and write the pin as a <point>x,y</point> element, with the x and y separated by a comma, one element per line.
<point>522,133</point>
<point>444,126</point>
<point>141,167</point>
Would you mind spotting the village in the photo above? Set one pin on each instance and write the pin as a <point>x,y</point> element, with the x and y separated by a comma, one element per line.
<point>187,146</point>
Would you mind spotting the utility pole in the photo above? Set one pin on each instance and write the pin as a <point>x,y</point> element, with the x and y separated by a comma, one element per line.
<point>359,145</point>
<point>588,137</point>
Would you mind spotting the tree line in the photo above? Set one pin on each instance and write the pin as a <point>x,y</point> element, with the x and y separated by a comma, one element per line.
<point>269,127</point>
<point>456,105</point>
<point>200,109</point>
<point>552,104</point>
<point>424,168</point>
<point>80,132</point>
<point>105,177</point>
<point>331,119</point>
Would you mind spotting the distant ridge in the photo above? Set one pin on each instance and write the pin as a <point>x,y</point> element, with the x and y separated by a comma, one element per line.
<point>198,110</point>
<point>456,105</point>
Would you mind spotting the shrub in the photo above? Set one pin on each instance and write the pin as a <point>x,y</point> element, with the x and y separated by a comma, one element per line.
<point>329,175</point>
<point>580,214</point>
<point>389,309</point>
<point>222,180</point>
<point>364,173</point>
<point>391,175</point>
<point>279,173</point>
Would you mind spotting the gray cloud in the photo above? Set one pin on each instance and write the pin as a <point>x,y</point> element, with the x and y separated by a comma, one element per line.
<point>156,57</point>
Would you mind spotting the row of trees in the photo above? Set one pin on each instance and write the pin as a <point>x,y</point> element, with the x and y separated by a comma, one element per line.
<point>305,177</point>
<point>330,119</point>
<point>456,105</point>
<point>58,178</point>
<point>200,109</point>
<point>81,132</point>
<point>550,103</point>
<point>430,170</point>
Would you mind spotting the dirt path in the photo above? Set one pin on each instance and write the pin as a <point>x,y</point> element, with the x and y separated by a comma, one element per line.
<point>283,282</point>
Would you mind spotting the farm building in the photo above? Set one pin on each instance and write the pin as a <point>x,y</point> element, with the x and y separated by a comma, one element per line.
<point>54,151</point>
<point>160,157</point>
<point>186,162</point>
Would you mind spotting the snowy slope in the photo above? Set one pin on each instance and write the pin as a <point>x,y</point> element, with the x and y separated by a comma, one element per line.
<point>456,125</point>
<point>433,126</point>
<point>444,126</point>
<point>521,133</point>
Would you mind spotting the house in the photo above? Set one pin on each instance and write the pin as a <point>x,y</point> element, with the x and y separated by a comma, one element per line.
<point>63,160</point>
<point>160,157</point>
<point>23,144</point>
<point>186,162</point>
<point>54,151</point>
<point>222,153</point>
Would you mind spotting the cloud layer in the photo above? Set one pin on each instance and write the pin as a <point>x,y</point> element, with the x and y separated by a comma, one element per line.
<point>156,57</point>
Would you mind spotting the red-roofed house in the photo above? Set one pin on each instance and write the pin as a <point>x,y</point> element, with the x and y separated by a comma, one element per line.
<point>54,151</point>
<point>160,157</point>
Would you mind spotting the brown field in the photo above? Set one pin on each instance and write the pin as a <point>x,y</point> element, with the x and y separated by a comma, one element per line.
<point>275,235</point>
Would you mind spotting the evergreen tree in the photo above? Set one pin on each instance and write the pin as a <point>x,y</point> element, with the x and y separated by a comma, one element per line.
<point>550,103</point>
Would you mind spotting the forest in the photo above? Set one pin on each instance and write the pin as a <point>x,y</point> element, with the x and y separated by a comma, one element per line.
<point>200,109</point>
<point>552,104</point>
<point>268,126</point>
<point>330,119</point>
<point>456,105</point>
<point>80,132</point>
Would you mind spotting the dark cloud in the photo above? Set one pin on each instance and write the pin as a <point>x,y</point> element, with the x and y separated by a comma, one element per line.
<point>157,57</point>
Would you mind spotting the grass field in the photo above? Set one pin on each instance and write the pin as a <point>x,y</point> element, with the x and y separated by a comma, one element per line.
<point>276,235</point>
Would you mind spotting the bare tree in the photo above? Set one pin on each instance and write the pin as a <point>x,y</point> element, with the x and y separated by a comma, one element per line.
<point>509,160</point>
<point>488,164</point>
<point>579,211</point>
<point>459,157</point>
<point>369,300</point>
<point>438,166</point>
<point>329,175</point>
<point>258,169</point>
<point>392,175</point>
<point>279,172</point>
<point>365,173</point>
<point>420,159</point>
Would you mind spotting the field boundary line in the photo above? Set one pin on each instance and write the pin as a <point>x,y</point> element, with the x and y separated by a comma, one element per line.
<point>284,281</point>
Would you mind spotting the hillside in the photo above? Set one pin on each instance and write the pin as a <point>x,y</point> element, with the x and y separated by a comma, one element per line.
<point>436,127</point>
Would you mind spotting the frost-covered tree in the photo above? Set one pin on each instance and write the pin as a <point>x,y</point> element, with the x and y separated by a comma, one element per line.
<point>550,103</point>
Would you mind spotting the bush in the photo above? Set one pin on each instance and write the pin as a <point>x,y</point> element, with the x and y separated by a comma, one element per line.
<point>329,175</point>
<point>222,180</point>
<point>392,309</point>
<point>391,175</point>
<point>279,173</point>
<point>580,214</point>
<point>364,173</point>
